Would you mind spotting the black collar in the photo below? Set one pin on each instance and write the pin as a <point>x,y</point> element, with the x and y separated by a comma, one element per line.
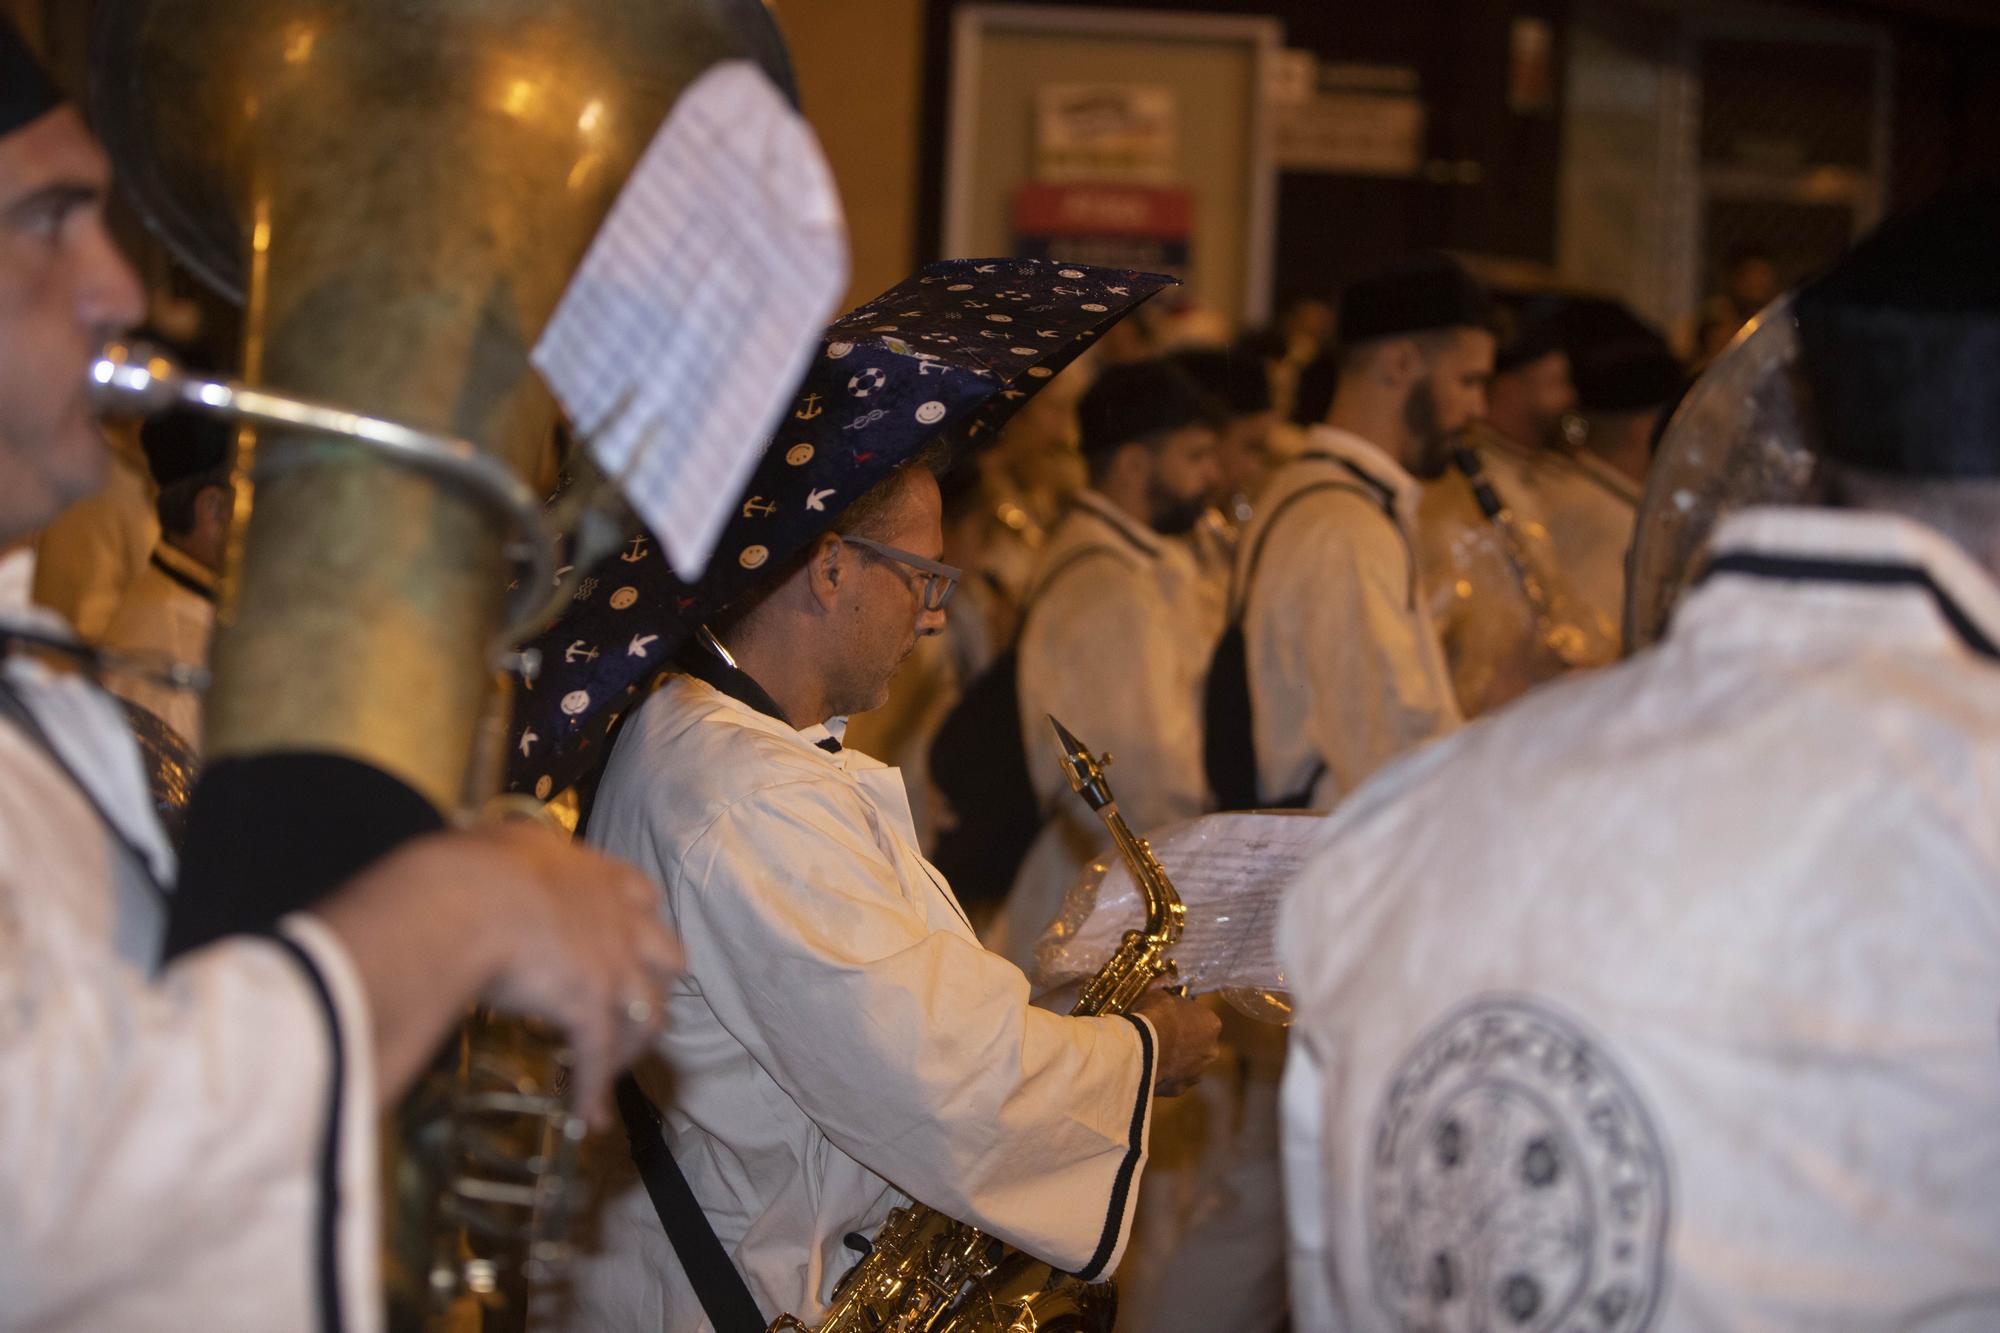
<point>1869,573</point>
<point>697,659</point>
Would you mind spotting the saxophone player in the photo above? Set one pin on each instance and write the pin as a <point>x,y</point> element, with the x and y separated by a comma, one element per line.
<point>193,1145</point>
<point>841,1039</point>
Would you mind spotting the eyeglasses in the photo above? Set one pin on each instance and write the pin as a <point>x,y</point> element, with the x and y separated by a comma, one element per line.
<point>940,579</point>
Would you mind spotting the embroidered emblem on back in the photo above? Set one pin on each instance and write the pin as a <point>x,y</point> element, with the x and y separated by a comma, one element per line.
<point>1515,1181</point>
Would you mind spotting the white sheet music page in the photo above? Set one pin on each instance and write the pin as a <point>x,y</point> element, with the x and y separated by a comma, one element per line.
<point>1229,869</point>
<point>699,304</point>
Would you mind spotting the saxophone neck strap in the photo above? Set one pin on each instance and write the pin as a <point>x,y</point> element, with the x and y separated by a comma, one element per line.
<point>725,1297</point>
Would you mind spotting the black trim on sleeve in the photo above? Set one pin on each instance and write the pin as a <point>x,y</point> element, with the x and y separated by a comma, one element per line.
<point>1114,1218</point>
<point>269,834</point>
<point>325,1243</point>
<point>1869,573</point>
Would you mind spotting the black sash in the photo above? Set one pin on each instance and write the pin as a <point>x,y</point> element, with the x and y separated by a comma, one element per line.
<point>1229,739</point>
<point>724,1295</point>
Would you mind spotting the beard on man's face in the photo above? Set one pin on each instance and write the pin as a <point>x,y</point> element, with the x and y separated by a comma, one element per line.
<point>1420,417</point>
<point>1174,515</point>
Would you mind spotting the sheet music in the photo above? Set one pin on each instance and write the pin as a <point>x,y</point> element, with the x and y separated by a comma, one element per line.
<point>1230,870</point>
<point>699,304</point>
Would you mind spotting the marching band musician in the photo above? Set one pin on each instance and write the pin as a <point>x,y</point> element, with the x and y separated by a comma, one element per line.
<point>1113,630</point>
<point>1722,1054</point>
<point>1342,661</point>
<point>841,1040</point>
<point>194,1146</point>
<point>1238,380</point>
<point>1501,595</point>
<point>1625,376</point>
<point>168,612</point>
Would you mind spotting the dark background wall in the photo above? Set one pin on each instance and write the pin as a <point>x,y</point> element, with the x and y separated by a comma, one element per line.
<point>1944,121</point>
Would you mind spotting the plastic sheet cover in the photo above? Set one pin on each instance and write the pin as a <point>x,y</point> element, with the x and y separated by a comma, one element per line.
<point>1231,871</point>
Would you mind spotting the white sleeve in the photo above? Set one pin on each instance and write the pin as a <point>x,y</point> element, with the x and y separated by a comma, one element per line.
<point>161,1133</point>
<point>914,1050</point>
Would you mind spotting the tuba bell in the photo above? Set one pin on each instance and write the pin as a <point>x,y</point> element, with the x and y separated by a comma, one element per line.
<point>1743,435</point>
<point>396,192</point>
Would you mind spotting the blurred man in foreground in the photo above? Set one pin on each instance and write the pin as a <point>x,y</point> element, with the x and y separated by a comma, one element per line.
<point>194,1146</point>
<point>1720,1053</point>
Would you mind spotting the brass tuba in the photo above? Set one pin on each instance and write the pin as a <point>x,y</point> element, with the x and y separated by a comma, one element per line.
<point>1742,436</point>
<point>397,192</point>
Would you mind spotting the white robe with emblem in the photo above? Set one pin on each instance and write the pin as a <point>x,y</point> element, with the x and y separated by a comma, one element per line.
<point>1115,645</point>
<point>1675,986</point>
<point>839,1028</point>
<point>1346,671</point>
<point>180,1147</point>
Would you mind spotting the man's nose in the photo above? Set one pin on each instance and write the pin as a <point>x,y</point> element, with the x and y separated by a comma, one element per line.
<point>930,622</point>
<point>109,297</point>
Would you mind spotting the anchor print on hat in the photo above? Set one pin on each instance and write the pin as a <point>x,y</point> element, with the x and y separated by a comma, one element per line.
<point>891,378</point>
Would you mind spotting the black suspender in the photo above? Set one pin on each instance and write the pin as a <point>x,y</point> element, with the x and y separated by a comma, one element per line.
<point>724,1295</point>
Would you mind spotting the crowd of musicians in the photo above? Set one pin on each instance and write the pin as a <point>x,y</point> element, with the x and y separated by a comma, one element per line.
<point>1654,993</point>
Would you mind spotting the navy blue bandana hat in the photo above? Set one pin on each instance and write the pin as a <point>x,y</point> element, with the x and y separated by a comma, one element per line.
<point>1900,343</point>
<point>26,91</point>
<point>1420,295</point>
<point>940,360</point>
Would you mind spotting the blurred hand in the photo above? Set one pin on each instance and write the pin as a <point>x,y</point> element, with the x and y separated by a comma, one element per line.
<point>516,916</point>
<point>1188,1043</point>
<point>590,954</point>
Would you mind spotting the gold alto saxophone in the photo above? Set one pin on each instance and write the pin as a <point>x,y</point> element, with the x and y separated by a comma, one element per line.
<point>927,1273</point>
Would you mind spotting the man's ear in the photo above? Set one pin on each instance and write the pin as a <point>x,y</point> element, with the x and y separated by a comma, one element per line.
<point>827,568</point>
<point>1400,363</point>
<point>212,506</point>
<point>1130,462</point>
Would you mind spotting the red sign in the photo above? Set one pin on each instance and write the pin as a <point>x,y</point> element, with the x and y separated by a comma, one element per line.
<point>1160,213</point>
<point>1118,226</point>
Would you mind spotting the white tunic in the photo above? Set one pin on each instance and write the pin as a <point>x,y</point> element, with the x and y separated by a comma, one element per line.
<point>1591,509</point>
<point>838,1028</point>
<point>169,614</point>
<point>1115,645</point>
<point>192,1150</point>
<point>88,557</point>
<point>1346,671</point>
<point>1674,987</point>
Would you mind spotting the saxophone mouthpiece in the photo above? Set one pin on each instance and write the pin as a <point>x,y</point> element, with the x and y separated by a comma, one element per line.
<point>1084,771</point>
